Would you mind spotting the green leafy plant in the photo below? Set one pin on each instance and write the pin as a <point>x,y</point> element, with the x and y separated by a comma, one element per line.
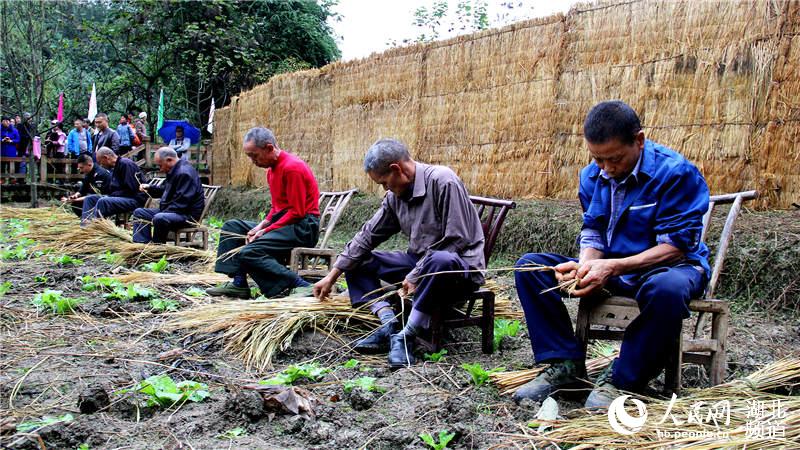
<point>19,251</point>
<point>41,279</point>
<point>233,433</point>
<point>311,371</point>
<point>366,384</point>
<point>31,425</point>
<point>351,364</point>
<point>195,292</point>
<point>83,447</point>
<point>444,439</point>
<point>66,260</point>
<point>435,357</point>
<point>503,328</point>
<point>91,284</point>
<point>478,374</point>
<point>56,302</point>
<point>163,304</point>
<point>161,390</point>
<point>11,228</point>
<point>5,287</point>
<point>215,222</point>
<point>159,266</point>
<point>111,258</point>
<point>255,292</point>
<point>130,292</point>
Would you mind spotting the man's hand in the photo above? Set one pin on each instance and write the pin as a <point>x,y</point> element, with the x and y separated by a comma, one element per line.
<point>593,275</point>
<point>255,233</point>
<point>323,287</point>
<point>566,271</point>
<point>65,199</point>
<point>409,287</point>
<point>144,187</point>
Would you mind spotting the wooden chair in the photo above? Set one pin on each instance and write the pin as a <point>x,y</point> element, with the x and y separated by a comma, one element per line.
<point>617,312</point>
<point>185,237</point>
<point>316,262</point>
<point>492,213</point>
<point>123,220</point>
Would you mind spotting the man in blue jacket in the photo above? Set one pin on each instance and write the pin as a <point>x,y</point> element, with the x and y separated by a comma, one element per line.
<point>643,206</point>
<point>79,140</point>
<point>182,200</point>
<point>123,193</point>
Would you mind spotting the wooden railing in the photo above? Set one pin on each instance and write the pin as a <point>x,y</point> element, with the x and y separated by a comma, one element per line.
<point>49,170</point>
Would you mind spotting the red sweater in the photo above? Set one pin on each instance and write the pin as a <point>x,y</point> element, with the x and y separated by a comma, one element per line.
<point>293,188</point>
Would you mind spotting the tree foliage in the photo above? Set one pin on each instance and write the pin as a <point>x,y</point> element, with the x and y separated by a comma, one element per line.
<point>131,49</point>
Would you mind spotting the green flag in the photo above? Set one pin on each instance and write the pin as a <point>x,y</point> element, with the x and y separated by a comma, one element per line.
<point>160,111</point>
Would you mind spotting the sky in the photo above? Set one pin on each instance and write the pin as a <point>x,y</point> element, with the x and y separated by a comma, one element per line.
<point>367,26</point>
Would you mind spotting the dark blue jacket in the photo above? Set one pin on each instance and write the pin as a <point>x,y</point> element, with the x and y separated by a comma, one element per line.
<point>182,191</point>
<point>98,181</point>
<point>669,200</point>
<point>9,149</point>
<point>125,180</point>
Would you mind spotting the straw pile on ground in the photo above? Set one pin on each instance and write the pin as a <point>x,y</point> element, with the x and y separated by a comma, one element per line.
<point>53,229</point>
<point>773,385</point>
<point>256,330</point>
<point>504,108</point>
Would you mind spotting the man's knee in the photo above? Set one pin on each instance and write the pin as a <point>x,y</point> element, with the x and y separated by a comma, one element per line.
<point>232,226</point>
<point>160,220</point>
<point>140,213</point>
<point>442,260</point>
<point>530,259</point>
<point>667,290</point>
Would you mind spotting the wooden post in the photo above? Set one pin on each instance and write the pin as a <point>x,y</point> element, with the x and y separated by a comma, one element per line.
<point>43,169</point>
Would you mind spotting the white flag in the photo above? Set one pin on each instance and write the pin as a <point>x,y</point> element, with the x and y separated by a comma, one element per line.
<point>210,127</point>
<point>92,105</point>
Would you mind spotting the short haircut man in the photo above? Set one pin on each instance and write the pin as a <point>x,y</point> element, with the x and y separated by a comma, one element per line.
<point>431,206</point>
<point>643,206</point>
<point>182,200</point>
<point>96,181</point>
<point>124,195</point>
<point>293,221</point>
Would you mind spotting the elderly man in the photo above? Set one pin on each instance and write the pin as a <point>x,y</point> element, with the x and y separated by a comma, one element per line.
<point>643,207</point>
<point>104,135</point>
<point>182,200</point>
<point>293,221</point>
<point>123,193</point>
<point>96,180</point>
<point>431,206</point>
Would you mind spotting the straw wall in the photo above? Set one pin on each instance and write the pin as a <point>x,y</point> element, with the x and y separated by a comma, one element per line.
<point>717,81</point>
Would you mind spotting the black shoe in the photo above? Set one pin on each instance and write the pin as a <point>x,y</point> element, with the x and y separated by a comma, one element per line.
<point>402,352</point>
<point>229,290</point>
<point>377,342</point>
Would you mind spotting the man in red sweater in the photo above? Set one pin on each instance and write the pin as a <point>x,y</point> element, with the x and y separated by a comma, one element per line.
<point>293,221</point>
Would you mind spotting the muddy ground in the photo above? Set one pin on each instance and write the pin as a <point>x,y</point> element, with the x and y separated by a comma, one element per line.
<point>52,365</point>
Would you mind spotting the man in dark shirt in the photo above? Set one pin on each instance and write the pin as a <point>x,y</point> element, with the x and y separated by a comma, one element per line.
<point>96,180</point>
<point>430,205</point>
<point>182,200</point>
<point>105,137</point>
<point>123,192</point>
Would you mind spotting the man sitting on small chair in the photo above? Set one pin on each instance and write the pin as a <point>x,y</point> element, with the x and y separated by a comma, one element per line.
<point>643,207</point>
<point>182,200</point>
<point>430,205</point>
<point>123,192</point>
<point>96,180</point>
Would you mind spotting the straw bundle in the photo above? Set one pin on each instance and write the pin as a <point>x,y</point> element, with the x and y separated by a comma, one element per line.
<point>593,431</point>
<point>165,279</point>
<point>256,330</point>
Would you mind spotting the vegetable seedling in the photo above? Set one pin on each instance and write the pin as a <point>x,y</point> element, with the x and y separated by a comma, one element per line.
<point>159,266</point>
<point>111,258</point>
<point>312,372</point>
<point>66,260</point>
<point>478,374</point>
<point>195,292</point>
<point>366,384</point>
<point>56,302</point>
<point>31,425</point>
<point>503,328</point>
<point>161,390</point>
<point>444,439</point>
<point>163,304</point>
<point>233,433</point>
<point>5,287</point>
<point>351,364</point>
<point>435,357</point>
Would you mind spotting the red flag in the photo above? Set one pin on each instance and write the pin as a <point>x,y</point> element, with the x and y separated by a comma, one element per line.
<point>60,116</point>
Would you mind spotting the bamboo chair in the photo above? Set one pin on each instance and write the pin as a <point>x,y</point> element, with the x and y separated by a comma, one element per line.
<point>615,313</point>
<point>316,262</point>
<point>492,213</point>
<point>186,236</point>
